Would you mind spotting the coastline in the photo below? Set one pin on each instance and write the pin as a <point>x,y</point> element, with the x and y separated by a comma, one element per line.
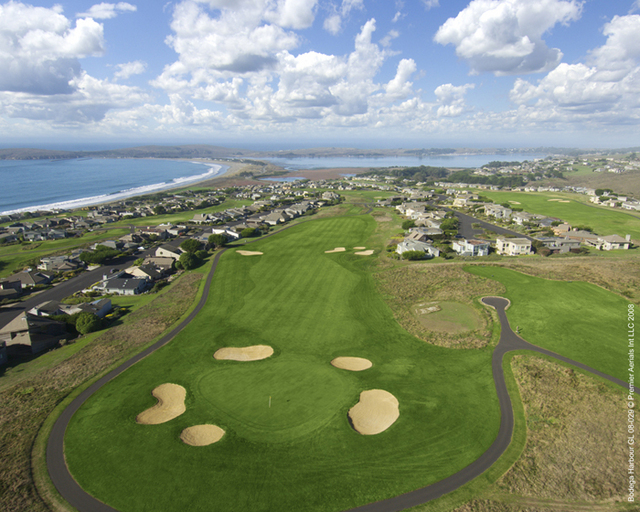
<point>219,168</point>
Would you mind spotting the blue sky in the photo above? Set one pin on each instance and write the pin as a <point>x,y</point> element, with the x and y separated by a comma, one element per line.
<point>294,73</point>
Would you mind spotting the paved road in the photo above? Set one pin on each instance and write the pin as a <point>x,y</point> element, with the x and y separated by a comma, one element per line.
<point>62,290</point>
<point>509,341</point>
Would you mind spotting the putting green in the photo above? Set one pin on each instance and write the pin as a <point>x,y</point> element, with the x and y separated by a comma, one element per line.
<point>452,317</point>
<point>278,400</point>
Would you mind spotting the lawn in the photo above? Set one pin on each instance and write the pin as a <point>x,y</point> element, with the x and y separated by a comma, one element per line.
<point>603,221</point>
<point>301,453</point>
<point>572,318</point>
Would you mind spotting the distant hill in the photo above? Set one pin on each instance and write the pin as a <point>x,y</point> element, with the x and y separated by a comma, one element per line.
<point>219,152</point>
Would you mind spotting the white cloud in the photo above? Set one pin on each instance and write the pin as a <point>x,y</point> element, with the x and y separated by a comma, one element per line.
<point>451,99</point>
<point>505,36</point>
<point>400,86</point>
<point>39,49</point>
<point>430,4</point>
<point>105,11</point>
<point>333,22</point>
<point>129,69</point>
<point>295,14</point>
<point>90,101</point>
<point>604,89</point>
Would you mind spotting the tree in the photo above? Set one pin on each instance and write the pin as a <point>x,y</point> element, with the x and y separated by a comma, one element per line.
<point>191,245</point>
<point>188,261</point>
<point>217,240</point>
<point>159,210</point>
<point>87,322</point>
<point>408,224</point>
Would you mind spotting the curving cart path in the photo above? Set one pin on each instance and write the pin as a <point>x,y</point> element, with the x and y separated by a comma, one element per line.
<point>509,341</point>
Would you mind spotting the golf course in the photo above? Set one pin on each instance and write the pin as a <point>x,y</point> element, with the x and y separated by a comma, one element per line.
<point>289,443</point>
<point>295,388</point>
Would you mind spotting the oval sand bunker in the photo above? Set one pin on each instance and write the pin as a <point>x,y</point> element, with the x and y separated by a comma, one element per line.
<point>170,405</point>
<point>354,364</point>
<point>376,411</point>
<point>201,435</point>
<point>252,353</point>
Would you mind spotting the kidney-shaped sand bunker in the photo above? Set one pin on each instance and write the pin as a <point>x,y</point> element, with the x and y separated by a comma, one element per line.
<point>170,405</point>
<point>376,411</point>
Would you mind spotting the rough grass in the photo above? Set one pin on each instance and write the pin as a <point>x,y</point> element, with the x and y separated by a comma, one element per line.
<point>24,407</point>
<point>621,276</point>
<point>575,456</point>
<point>404,287</point>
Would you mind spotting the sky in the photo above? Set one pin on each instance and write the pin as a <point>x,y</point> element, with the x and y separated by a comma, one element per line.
<point>303,73</point>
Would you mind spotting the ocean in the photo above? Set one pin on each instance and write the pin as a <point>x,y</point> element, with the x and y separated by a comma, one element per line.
<point>67,184</point>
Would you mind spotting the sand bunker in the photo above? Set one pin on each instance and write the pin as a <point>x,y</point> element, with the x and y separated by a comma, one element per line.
<point>359,248</point>
<point>376,411</point>
<point>354,364</point>
<point>554,199</point>
<point>249,253</point>
<point>170,405</point>
<point>564,201</point>
<point>515,202</point>
<point>202,435</point>
<point>337,249</point>
<point>364,253</point>
<point>253,353</point>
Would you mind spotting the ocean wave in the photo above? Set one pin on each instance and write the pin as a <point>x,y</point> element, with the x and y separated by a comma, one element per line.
<point>214,170</point>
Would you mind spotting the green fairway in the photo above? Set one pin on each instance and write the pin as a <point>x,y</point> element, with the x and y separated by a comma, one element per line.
<point>603,221</point>
<point>301,453</point>
<point>575,319</point>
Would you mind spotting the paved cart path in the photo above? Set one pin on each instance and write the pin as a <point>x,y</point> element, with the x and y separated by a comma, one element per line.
<point>509,341</point>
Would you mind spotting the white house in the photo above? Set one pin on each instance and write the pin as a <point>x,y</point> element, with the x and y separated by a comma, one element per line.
<point>414,245</point>
<point>513,246</point>
<point>471,247</point>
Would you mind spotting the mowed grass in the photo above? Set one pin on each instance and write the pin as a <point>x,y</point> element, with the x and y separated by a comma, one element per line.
<point>300,454</point>
<point>603,221</point>
<point>453,317</point>
<point>572,318</point>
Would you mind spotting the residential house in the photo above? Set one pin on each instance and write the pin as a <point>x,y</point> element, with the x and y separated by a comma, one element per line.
<point>513,246</point>
<point>498,211</point>
<point>611,242</point>
<point>168,251</point>
<point>584,237</point>
<point>559,244</point>
<point>165,265</point>
<point>32,332</point>
<point>561,229</point>
<point>30,278</point>
<point>10,289</point>
<point>414,245</point>
<point>58,264</point>
<point>124,286</point>
<point>471,247</point>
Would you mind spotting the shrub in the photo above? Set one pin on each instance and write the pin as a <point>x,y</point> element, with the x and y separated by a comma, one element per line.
<point>413,255</point>
<point>408,224</point>
<point>249,232</point>
<point>87,322</point>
